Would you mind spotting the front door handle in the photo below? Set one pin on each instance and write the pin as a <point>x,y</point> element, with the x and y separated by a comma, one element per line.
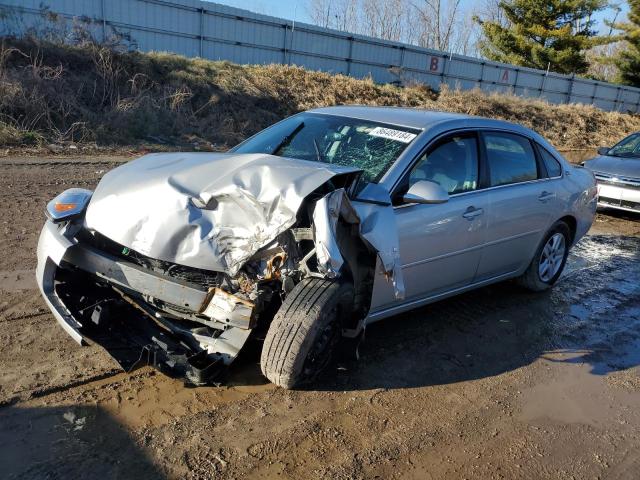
<point>472,213</point>
<point>546,196</point>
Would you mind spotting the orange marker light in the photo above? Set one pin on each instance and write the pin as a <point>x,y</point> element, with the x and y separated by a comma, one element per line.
<point>64,207</point>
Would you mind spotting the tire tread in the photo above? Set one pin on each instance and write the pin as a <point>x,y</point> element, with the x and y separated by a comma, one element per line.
<point>284,349</point>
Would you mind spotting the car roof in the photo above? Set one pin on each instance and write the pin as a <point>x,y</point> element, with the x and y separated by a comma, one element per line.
<point>430,120</point>
<point>404,116</point>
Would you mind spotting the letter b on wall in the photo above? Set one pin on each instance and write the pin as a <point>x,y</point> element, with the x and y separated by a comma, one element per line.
<point>435,64</point>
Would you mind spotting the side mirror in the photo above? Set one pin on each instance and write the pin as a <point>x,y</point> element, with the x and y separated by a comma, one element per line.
<point>603,150</point>
<point>425,191</point>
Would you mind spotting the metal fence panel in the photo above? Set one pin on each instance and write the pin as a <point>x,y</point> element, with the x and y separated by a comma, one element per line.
<point>219,32</point>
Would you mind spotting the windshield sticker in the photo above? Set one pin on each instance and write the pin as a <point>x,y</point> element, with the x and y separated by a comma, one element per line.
<point>391,134</point>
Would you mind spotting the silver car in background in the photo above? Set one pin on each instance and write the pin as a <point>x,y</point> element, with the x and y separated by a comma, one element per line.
<point>617,171</point>
<point>305,233</point>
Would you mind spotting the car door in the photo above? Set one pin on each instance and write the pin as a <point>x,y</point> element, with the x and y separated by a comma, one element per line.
<point>440,244</point>
<point>519,212</point>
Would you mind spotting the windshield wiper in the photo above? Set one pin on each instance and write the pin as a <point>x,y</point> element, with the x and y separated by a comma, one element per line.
<point>287,140</point>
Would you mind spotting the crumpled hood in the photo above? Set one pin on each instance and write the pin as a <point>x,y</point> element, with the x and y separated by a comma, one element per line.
<point>621,167</point>
<point>149,205</point>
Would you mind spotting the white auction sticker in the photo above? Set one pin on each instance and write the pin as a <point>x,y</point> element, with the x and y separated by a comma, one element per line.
<point>391,134</point>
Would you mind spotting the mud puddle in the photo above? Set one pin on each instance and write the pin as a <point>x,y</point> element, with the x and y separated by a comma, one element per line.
<point>599,329</point>
<point>576,395</point>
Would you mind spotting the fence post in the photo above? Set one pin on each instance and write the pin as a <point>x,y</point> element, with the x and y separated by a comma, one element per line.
<point>284,44</point>
<point>201,32</point>
<point>293,29</point>
<point>515,81</point>
<point>570,90</point>
<point>593,94</point>
<point>444,69</point>
<point>616,103</point>
<point>350,38</point>
<point>104,22</point>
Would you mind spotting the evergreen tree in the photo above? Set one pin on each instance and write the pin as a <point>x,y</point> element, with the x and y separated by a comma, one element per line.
<point>628,60</point>
<point>543,33</point>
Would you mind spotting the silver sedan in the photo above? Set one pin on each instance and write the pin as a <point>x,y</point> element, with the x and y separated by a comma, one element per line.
<point>305,233</point>
<point>617,171</point>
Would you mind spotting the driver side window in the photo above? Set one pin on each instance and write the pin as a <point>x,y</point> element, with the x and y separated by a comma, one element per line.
<point>453,164</point>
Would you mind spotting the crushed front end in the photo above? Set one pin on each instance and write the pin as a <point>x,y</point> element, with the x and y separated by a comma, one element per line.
<point>184,321</point>
<point>163,267</point>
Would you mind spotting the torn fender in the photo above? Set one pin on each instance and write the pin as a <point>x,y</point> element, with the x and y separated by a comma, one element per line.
<point>204,210</point>
<point>373,212</point>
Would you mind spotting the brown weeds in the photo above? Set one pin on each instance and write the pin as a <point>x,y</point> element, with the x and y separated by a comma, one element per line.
<point>51,93</point>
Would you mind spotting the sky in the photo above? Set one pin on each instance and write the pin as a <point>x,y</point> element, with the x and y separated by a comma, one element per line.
<point>297,9</point>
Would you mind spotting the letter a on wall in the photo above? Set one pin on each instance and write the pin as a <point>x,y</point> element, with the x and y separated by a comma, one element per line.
<point>505,76</point>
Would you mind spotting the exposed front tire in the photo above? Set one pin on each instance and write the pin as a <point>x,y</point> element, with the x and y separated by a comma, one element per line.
<point>549,260</point>
<point>305,331</point>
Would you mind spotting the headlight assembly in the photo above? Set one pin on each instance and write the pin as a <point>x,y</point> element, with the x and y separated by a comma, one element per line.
<point>68,204</point>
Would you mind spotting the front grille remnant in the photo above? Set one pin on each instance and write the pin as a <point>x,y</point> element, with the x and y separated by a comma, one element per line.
<point>204,278</point>
<point>193,275</point>
<point>615,202</point>
<point>617,181</point>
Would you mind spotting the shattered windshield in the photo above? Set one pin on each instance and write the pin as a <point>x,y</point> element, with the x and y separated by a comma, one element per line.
<point>370,146</point>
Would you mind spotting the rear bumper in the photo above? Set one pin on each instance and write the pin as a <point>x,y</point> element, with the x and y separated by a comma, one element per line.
<point>96,297</point>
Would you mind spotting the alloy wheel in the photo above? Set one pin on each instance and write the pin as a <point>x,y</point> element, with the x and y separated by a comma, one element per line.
<point>551,257</point>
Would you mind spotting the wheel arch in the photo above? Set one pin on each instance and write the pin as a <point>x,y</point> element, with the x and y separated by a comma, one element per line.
<point>572,223</point>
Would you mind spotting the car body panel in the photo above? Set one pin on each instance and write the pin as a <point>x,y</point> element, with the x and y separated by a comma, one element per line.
<point>516,221</point>
<point>439,248</point>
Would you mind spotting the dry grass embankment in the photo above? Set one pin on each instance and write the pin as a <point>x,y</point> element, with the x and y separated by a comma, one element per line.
<point>92,95</point>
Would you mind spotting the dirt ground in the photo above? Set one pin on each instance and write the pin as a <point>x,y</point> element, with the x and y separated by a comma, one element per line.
<point>497,383</point>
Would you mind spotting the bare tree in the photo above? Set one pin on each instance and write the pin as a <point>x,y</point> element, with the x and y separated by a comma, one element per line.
<point>320,12</point>
<point>385,19</point>
<point>436,22</point>
<point>338,14</point>
<point>465,35</point>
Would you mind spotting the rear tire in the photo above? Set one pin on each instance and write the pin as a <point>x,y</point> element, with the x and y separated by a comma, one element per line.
<point>536,278</point>
<point>305,331</point>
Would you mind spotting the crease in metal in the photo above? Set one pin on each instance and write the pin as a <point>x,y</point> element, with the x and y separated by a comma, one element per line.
<point>203,210</point>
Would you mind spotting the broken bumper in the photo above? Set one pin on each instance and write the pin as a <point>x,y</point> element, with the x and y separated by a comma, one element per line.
<point>69,272</point>
<point>52,246</point>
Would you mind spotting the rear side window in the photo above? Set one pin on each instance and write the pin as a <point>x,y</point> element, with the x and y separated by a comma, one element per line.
<point>510,159</point>
<point>553,166</point>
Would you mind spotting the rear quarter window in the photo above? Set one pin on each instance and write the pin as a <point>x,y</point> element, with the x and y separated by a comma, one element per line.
<point>554,169</point>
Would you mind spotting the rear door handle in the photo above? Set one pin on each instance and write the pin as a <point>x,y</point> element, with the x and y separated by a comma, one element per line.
<point>472,213</point>
<point>546,196</point>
